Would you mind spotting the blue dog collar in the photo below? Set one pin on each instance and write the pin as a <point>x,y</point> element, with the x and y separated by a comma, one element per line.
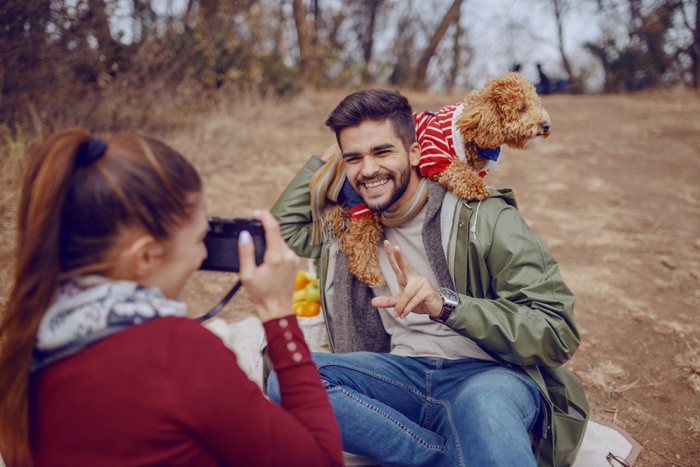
<point>489,153</point>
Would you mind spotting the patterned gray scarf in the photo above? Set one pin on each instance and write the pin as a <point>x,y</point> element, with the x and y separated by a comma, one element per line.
<point>90,308</point>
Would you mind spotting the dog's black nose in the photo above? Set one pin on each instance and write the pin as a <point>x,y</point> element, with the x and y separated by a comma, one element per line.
<point>545,127</point>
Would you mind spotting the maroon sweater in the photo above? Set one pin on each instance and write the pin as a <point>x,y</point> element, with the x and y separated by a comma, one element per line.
<point>168,392</point>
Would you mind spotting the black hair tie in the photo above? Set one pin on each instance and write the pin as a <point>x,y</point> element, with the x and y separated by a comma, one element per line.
<point>91,151</point>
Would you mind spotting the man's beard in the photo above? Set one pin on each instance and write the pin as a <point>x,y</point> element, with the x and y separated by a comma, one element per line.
<point>400,185</point>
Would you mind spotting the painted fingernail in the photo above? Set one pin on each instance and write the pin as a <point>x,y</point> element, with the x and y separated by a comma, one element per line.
<point>244,238</point>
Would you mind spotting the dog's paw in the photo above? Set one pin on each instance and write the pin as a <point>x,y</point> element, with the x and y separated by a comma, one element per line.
<point>463,182</point>
<point>369,277</point>
<point>479,193</point>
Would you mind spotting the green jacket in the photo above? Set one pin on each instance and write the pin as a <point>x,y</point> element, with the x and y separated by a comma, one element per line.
<point>513,301</point>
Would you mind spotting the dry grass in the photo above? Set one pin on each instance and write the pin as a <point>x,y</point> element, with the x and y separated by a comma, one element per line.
<point>12,157</point>
<point>690,363</point>
<point>694,424</point>
<point>605,376</point>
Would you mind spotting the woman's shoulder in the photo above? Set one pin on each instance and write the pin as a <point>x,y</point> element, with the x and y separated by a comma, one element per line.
<point>165,326</point>
<point>180,330</point>
<point>179,346</point>
<point>169,338</point>
<point>165,349</point>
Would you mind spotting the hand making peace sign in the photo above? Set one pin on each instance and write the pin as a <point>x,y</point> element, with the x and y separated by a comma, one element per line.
<point>416,294</point>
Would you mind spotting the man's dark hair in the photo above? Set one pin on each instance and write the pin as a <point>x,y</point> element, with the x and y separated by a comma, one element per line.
<point>375,104</point>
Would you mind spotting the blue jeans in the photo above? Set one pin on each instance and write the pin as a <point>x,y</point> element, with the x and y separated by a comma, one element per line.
<point>425,411</point>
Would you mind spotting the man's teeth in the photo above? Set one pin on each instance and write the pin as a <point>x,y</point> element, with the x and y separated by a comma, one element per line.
<point>376,183</point>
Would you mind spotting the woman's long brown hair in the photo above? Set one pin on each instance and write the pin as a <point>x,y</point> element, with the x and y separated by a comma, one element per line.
<point>69,217</point>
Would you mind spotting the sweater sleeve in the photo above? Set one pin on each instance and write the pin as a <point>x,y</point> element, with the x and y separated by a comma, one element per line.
<point>232,418</point>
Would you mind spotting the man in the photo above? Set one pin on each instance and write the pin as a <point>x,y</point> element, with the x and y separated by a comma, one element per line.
<point>457,359</point>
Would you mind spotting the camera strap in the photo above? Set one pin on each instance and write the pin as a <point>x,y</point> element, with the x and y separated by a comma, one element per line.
<point>222,303</point>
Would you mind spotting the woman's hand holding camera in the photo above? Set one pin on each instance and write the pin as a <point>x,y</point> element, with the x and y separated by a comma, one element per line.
<point>270,285</point>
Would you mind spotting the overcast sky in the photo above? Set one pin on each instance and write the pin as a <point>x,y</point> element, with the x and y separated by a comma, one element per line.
<point>525,33</point>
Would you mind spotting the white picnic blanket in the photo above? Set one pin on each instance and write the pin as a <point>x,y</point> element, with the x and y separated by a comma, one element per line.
<point>603,440</point>
<point>246,338</point>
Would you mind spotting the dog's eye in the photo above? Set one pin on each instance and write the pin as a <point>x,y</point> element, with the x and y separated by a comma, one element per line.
<point>522,109</point>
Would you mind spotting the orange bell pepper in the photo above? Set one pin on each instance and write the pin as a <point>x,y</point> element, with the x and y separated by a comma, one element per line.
<point>300,280</point>
<point>306,309</point>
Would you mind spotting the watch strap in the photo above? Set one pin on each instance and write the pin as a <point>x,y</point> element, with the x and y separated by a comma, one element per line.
<point>450,300</point>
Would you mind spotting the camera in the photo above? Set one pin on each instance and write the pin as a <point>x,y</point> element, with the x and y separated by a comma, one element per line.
<point>222,243</point>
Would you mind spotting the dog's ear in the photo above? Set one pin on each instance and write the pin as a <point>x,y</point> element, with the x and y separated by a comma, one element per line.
<point>511,94</point>
<point>491,133</point>
<point>479,121</point>
<point>468,122</point>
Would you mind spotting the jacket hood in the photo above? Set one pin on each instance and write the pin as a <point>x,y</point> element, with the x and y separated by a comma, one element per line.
<point>507,194</point>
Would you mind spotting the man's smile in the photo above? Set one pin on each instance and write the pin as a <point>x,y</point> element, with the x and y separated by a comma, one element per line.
<point>376,183</point>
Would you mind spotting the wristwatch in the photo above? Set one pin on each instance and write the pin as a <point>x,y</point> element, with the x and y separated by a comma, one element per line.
<point>450,300</point>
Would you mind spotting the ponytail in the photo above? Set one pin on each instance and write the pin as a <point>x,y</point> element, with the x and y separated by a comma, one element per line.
<point>35,281</point>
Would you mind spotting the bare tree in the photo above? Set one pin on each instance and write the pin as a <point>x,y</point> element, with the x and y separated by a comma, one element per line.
<point>421,71</point>
<point>144,18</point>
<point>560,8</point>
<point>694,47</point>
<point>403,49</point>
<point>456,57</point>
<point>23,54</point>
<point>366,16</point>
<point>306,38</point>
<point>651,55</point>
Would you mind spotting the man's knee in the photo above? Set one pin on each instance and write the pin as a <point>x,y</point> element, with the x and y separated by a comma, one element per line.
<point>336,369</point>
<point>499,391</point>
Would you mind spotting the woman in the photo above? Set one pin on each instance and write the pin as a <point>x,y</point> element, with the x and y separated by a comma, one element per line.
<point>100,365</point>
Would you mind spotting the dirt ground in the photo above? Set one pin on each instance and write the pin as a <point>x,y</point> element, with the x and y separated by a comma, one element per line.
<point>615,194</point>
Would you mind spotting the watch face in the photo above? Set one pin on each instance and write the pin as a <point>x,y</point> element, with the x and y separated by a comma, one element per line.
<point>450,296</point>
